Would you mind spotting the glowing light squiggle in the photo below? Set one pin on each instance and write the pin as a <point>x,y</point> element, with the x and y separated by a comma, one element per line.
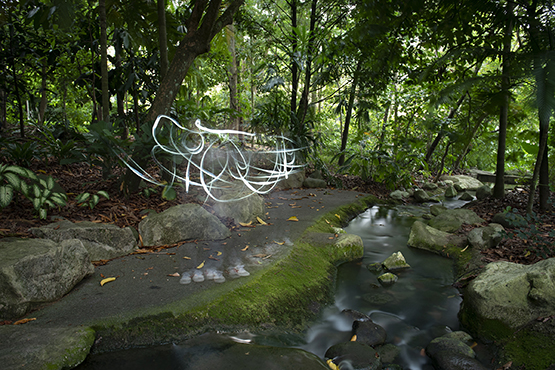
<point>215,159</point>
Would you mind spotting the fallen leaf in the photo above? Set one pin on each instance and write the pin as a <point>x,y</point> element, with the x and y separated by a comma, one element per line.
<point>201,265</point>
<point>261,255</point>
<point>245,224</point>
<point>24,321</point>
<point>329,223</point>
<point>280,243</point>
<point>107,280</point>
<point>354,338</point>
<point>331,365</point>
<point>293,218</point>
<point>218,253</point>
<point>261,221</point>
<point>336,215</point>
<point>187,258</point>
<point>244,249</point>
<point>175,274</point>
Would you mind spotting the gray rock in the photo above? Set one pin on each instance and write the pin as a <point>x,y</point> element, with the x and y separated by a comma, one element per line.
<point>396,262</point>
<point>317,174</point>
<point>356,355</point>
<point>426,237</point>
<point>450,344</point>
<point>399,194</point>
<point>507,295</point>
<point>388,278</point>
<point>452,352</point>
<point>483,192</point>
<point>388,352</point>
<point>429,186</point>
<point>182,222</point>
<point>53,348</point>
<point>420,196</point>
<point>463,182</point>
<point>103,241</point>
<point>293,180</point>
<point>241,205</point>
<point>446,360</point>
<point>452,219</point>
<point>310,182</point>
<point>354,315</point>
<point>35,271</point>
<point>368,332</point>
<point>437,209</point>
<point>466,196</point>
<point>375,267</point>
<point>485,237</point>
<point>451,192</point>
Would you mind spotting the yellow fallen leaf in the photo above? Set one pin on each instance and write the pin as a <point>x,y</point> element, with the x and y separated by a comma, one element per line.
<point>527,254</point>
<point>107,280</point>
<point>332,365</point>
<point>201,265</point>
<point>261,221</point>
<point>244,249</point>
<point>354,338</point>
<point>187,258</point>
<point>280,243</point>
<point>245,224</point>
<point>175,274</point>
<point>24,321</point>
<point>218,253</point>
<point>329,223</point>
<point>293,218</point>
<point>336,215</point>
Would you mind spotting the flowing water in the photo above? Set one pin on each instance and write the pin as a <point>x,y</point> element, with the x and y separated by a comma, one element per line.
<point>420,306</point>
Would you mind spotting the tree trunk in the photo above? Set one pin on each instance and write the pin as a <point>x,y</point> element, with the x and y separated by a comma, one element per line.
<point>469,142</point>
<point>119,93</point>
<point>43,101</point>
<point>15,81</point>
<point>194,43</point>
<point>104,61</point>
<point>162,38</point>
<point>233,79</point>
<point>499,187</point>
<point>544,181</point>
<point>202,25</point>
<point>294,51</point>
<point>349,112</point>
<point>303,104</point>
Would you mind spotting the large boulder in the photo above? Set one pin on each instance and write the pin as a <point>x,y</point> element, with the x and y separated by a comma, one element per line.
<point>182,222</point>
<point>421,196</point>
<point>452,352</point>
<point>463,182</point>
<point>293,180</point>
<point>35,271</point>
<point>483,192</point>
<point>485,237</point>
<point>241,205</point>
<point>507,295</point>
<point>103,241</point>
<point>52,348</point>
<point>426,237</point>
<point>451,220</point>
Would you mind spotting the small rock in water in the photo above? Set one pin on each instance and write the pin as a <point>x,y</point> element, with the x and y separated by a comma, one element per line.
<point>466,196</point>
<point>354,355</point>
<point>388,278</point>
<point>395,262</point>
<point>368,332</point>
<point>451,192</point>
<point>420,196</point>
<point>375,267</point>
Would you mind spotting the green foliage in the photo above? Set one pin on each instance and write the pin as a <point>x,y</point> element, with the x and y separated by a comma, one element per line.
<point>40,190</point>
<point>101,146</point>
<point>86,199</point>
<point>22,153</point>
<point>63,151</point>
<point>526,228</point>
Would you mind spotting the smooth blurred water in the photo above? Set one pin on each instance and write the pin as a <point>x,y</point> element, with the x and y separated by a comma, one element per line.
<point>420,306</point>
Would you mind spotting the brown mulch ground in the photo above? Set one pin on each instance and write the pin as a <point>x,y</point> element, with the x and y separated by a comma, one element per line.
<point>19,216</point>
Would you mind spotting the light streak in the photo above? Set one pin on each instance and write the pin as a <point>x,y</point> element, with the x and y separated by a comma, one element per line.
<point>217,159</point>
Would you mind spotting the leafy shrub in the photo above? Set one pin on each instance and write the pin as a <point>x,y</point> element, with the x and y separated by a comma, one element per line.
<point>86,199</point>
<point>40,190</point>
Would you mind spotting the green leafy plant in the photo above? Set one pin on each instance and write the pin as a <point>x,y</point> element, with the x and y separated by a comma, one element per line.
<point>91,200</point>
<point>40,190</point>
<point>22,153</point>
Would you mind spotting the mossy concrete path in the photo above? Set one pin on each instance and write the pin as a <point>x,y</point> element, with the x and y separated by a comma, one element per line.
<point>291,257</point>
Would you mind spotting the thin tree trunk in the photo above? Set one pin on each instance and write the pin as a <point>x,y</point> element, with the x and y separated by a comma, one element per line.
<point>43,101</point>
<point>499,187</point>
<point>233,79</point>
<point>104,61</point>
<point>349,112</point>
<point>15,81</point>
<point>469,142</point>
<point>294,51</point>
<point>162,38</point>
<point>303,104</point>
<point>119,93</point>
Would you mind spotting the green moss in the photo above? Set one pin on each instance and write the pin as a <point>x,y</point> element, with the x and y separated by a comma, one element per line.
<point>483,328</point>
<point>531,349</point>
<point>74,349</point>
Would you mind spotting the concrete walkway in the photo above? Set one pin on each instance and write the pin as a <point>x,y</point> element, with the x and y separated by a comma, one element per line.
<point>145,286</point>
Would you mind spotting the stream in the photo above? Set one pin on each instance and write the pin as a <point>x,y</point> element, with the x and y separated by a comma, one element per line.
<point>419,307</point>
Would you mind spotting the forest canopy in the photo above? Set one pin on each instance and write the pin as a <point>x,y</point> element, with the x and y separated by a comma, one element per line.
<point>384,90</point>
